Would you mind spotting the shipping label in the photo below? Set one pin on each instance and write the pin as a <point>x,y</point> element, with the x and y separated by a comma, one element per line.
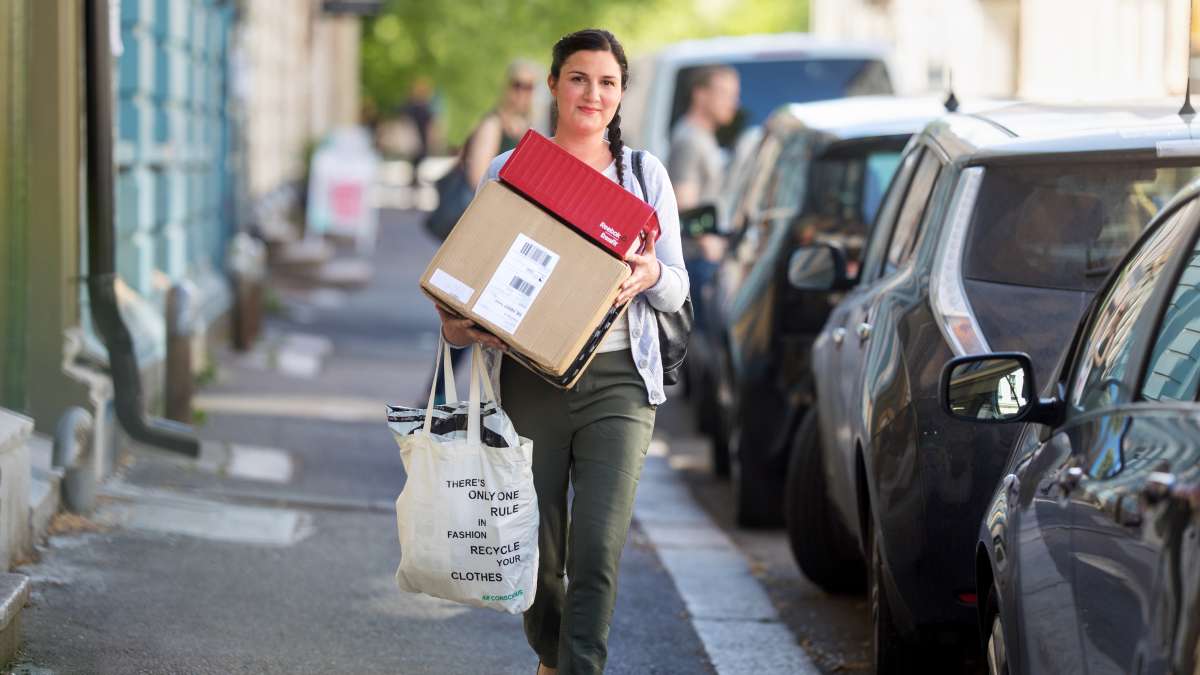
<point>516,283</point>
<point>449,284</point>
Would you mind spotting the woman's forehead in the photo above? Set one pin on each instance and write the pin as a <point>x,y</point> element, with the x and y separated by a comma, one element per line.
<point>596,62</point>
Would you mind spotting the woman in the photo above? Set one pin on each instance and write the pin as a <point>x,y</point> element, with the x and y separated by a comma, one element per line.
<point>594,436</point>
<point>500,130</point>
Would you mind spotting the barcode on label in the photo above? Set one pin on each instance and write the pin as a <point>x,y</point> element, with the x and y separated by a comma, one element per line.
<point>521,285</point>
<point>535,253</point>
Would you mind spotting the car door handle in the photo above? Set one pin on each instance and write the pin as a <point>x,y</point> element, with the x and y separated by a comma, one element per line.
<point>839,336</point>
<point>864,331</point>
<point>1069,480</point>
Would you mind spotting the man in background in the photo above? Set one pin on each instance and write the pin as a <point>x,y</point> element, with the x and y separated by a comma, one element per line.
<point>696,165</point>
<point>696,162</point>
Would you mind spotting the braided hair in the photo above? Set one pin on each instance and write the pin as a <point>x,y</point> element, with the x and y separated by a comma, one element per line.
<point>597,40</point>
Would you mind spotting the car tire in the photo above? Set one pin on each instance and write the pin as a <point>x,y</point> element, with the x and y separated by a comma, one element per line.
<point>825,552</point>
<point>757,491</point>
<point>997,648</point>
<point>891,653</point>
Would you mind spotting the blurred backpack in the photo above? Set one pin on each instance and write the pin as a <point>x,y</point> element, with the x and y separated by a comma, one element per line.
<point>454,195</point>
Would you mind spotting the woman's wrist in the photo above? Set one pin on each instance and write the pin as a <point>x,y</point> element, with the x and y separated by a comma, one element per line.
<point>658,279</point>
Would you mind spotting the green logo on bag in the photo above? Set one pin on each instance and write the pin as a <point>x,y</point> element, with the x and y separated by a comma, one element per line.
<point>502,598</point>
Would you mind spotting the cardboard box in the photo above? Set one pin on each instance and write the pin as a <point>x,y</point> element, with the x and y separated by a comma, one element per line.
<point>581,196</point>
<point>528,279</point>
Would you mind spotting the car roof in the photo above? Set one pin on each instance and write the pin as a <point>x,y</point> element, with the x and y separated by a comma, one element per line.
<point>858,117</point>
<point>766,48</point>
<point>1027,129</point>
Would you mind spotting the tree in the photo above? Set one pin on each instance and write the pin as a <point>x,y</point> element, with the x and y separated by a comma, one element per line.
<point>464,46</point>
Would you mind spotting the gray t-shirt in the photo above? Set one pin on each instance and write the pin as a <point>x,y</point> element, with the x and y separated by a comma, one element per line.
<point>695,159</point>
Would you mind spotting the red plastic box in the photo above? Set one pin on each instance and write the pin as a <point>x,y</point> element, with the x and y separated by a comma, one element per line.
<point>586,199</point>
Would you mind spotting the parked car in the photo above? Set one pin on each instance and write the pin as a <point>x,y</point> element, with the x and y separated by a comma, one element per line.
<point>1086,558</point>
<point>824,168</point>
<point>999,228</point>
<point>774,70</point>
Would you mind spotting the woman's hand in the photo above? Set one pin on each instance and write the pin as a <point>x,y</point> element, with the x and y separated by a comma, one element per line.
<point>461,332</point>
<point>646,272</point>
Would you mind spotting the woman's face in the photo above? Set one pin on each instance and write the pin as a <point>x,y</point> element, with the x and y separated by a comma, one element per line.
<point>518,95</point>
<point>587,92</point>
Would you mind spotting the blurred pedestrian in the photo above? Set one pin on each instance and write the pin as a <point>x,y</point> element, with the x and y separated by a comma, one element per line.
<point>501,128</point>
<point>593,437</point>
<point>697,167</point>
<point>419,111</point>
<point>696,162</point>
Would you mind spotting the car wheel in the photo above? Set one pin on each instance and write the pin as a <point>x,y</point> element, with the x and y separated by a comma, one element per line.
<point>889,650</point>
<point>823,549</point>
<point>757,491</point>
<point>997,649</point>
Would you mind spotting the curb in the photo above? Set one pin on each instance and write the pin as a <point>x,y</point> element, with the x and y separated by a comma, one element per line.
<point>729,610</point>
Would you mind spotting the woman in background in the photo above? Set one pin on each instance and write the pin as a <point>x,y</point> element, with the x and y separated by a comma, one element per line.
<point>501,128</point>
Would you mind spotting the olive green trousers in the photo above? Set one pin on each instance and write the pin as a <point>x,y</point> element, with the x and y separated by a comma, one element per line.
<point>593,438</point>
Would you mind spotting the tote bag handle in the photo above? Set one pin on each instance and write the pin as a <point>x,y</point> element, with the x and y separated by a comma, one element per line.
<point>446,371</point>
<point>478,374</point>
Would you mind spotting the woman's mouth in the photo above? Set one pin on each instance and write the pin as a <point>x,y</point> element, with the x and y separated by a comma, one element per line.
<point>589,111</point>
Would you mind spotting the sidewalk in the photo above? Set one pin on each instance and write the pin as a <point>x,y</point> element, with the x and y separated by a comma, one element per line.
<point>276,552</point>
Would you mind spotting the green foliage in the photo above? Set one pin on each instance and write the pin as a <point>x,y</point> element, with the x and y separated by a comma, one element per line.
<point>463,46</point>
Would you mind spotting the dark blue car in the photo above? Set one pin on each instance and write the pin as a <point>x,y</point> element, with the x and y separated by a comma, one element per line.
<point>1088,558</point>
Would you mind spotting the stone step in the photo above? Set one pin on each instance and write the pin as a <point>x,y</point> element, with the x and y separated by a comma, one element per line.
<point>304,254</point>
<point>45,488</point>
<point>14,595</point>
<point>345,273</point>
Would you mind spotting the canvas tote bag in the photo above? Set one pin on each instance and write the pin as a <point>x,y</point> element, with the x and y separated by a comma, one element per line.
<point>467,516</point>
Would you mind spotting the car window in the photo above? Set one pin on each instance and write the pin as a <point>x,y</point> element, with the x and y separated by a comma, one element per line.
<point>1100,366</point>
<point>785,188</point>
<point>882,230</point>
<point>877,174</point>
<point>905,231</point>
<point>750,205</point>
<point>843,192</point>
<point>768,83</point>
<point>1064,226</point>
<point>1173,370</point>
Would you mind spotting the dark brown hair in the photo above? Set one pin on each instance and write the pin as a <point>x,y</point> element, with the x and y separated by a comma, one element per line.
<point>597,40</point>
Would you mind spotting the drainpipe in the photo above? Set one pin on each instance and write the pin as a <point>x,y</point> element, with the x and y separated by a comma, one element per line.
<point>127,383</point>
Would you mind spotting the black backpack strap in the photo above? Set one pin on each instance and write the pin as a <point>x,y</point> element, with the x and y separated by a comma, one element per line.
<point>637,173</point>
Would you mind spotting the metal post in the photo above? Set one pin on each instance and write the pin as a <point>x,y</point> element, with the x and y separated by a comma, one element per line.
<point>72,453</point>
<point>180,383</point>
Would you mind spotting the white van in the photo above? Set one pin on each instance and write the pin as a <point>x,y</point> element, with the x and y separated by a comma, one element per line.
<point>774,70</point>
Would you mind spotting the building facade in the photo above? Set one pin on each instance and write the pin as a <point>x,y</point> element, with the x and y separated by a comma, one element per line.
<point>214,103</point>
<point>1114,49</point>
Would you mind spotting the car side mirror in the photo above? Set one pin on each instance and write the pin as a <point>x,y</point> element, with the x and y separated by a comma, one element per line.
<point>821,267</point>
<point>995,389</point>
<point>698,221</point>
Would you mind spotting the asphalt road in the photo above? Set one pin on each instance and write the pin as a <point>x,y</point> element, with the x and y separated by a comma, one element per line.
<point>216,567</point>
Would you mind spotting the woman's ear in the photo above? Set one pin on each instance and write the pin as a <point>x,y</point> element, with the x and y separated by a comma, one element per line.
<point>552,84</point>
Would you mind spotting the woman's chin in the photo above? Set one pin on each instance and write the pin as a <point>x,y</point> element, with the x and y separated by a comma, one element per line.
<point>586,124</point>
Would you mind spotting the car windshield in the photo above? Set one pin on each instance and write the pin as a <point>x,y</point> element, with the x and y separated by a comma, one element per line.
<point>1064,227</point>
<point>767,84</point>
